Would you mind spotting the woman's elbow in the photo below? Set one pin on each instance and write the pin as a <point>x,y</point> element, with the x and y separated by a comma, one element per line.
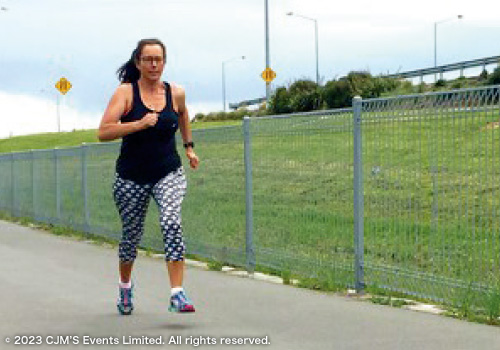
<point>102,136</point>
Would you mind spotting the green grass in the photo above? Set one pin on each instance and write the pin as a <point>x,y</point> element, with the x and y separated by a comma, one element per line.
<point>47,141</point>
<point>75,138</point>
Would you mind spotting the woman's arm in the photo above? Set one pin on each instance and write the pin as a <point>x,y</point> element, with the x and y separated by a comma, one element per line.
<point>180,98</point>
<point>111,128</point>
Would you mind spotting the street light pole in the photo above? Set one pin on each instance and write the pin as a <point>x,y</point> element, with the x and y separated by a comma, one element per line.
<point>435,39</point>
<point>223,88</point>
<point>224,79</point>
<point>268,85</point>
<point>317,54</point>
<point>316,40</point>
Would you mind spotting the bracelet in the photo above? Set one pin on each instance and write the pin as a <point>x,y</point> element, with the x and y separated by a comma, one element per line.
<point>189,144</point>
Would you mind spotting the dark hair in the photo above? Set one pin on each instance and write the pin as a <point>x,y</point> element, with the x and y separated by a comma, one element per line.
<point>128,72</point>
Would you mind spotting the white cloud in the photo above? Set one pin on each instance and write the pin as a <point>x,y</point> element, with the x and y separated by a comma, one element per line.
<point>23,114</point>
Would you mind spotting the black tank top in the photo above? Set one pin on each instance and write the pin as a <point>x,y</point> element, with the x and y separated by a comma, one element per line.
<point>148,155</point>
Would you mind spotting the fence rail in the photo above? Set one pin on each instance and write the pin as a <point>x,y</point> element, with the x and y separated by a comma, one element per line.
<point>398,193</point>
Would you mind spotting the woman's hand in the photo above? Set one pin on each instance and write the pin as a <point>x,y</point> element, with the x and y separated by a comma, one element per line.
<point>193,158</point>
<point>149,120</point>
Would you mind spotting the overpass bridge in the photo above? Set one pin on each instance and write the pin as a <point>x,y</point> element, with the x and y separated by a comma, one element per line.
<point>480,62</point>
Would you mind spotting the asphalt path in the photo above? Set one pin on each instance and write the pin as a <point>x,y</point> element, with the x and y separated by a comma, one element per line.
<point>56,290</point>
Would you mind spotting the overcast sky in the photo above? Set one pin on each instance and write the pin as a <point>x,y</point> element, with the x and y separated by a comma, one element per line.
<point>87,40</point>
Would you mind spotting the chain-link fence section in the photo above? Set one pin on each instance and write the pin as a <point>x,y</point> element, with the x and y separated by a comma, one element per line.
<point>431,200</point>
<point>302,192</point>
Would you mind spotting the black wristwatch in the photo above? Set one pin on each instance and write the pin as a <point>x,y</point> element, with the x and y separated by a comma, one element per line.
<point>189,144</point>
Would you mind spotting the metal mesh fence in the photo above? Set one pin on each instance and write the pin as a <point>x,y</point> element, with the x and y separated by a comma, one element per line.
<point>302,192</point>
<point>6,183</point>
<point>44,186</point>
<point>431,193</point>
<point>429,205</point>
<point>213,212</point>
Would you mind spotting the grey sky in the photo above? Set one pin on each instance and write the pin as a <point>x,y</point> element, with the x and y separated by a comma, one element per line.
<point>87,40</point>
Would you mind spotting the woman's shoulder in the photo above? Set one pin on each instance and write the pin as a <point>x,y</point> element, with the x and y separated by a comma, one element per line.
<point>177,90</point>
<point>124,87</point>
<point>124,90</point>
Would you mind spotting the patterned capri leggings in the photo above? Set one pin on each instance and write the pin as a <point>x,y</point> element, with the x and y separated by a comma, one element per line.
<point>132,201</point>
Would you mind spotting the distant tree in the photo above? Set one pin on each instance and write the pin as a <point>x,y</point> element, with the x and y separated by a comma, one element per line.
<point>382,84</point>
<point>494,77</point>
<point>199,117</point>
<point>459,83</point>
<point>337,94</point>
<point>304,96</point>
<point>365,85</point>
<point>484,75</point>
<point>440,83</point>
<point>279,103</point>
<point>360,83</point>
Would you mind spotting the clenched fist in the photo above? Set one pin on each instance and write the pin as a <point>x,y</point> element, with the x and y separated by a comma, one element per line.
<point>149,120</point>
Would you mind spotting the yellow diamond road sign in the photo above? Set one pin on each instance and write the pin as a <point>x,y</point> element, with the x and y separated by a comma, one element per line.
<point>63,85</point>
<point>268,75</point>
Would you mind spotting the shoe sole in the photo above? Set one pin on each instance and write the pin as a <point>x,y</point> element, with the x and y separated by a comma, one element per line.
<point>123,312</point>
<point>175,310</point>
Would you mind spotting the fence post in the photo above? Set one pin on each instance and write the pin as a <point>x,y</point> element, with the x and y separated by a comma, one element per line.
<point>33,184</point>
<point>85,191</point>
<point>58,187</point>
<point>13,184</point>
<point>358,197</point>
<point>250,252</point>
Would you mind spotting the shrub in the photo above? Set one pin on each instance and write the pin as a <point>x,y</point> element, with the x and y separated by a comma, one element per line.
<point>337,94</point>
<point>422,87</point>
<point>440,83</point>
<point>494,77</point>
<point>361,84</point>
<point>199,117</point>
<point>459,83</point>
<point>484,75</point>
<point>279,102</point>
<point>304,96</point>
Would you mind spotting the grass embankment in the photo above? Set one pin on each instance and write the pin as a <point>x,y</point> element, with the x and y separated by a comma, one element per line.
<point>74,138</point>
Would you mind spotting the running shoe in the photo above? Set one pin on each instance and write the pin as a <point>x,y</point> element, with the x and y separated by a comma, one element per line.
<point>124,303</point>
<point>179,302</point>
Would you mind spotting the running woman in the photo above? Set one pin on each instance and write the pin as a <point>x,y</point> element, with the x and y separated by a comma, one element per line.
<point>145,113</point>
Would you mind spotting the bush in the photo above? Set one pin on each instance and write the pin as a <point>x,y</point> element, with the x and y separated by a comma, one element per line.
<point>337,94</point>
<point>279,102</point>
<point>304,96</point>
<point>199,117</point>
<point>440,83</point>
<point>484,75</point>
<point>362,84</point>
<point>382,85</point>
<point>459,83</point>
<point>422,87</point>
<point>494,77</point>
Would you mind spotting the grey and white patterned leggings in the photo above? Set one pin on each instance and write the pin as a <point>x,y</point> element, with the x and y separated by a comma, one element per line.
<point>132,201</point>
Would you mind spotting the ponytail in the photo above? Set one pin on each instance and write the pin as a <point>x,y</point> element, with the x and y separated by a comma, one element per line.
<point>128,72</point>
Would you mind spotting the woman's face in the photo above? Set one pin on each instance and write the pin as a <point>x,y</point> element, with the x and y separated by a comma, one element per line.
<point>151,62</point>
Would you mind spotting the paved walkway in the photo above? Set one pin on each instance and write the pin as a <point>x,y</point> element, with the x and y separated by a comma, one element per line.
<point>52,287</point>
